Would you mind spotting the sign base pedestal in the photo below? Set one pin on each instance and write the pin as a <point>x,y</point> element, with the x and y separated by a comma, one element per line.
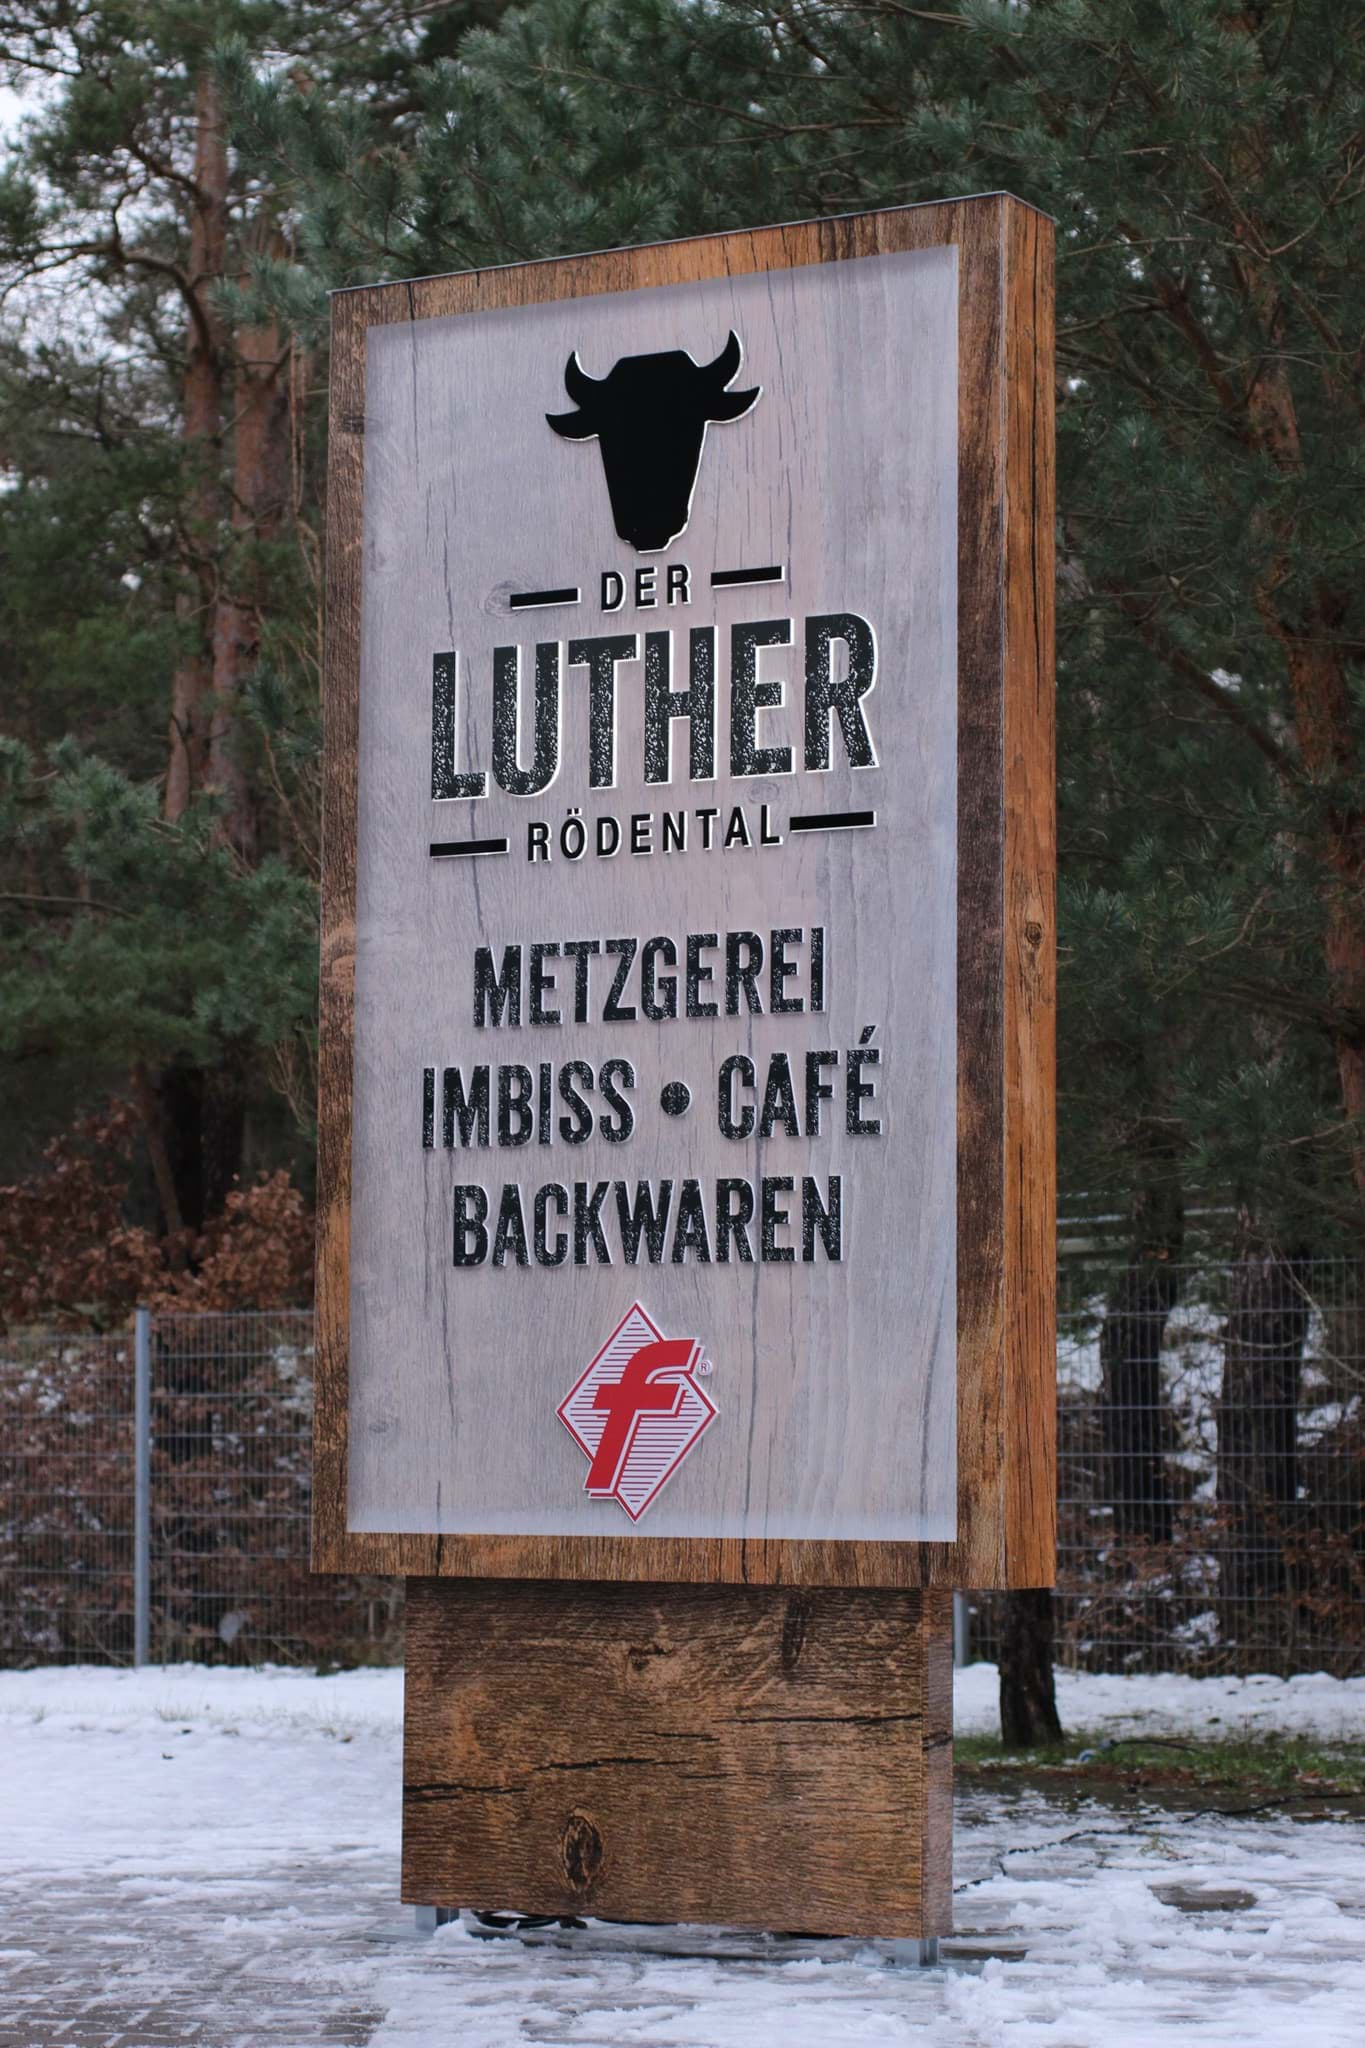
<point>766,1757</point>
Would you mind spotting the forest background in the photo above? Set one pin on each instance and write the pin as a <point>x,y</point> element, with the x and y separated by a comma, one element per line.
<point>184,182</point>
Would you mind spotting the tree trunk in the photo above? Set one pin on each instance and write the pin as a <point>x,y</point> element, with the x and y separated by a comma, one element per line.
<point>1324,713</point>
<point>201,431</point>
<point>1309,624</point>
<point>260,488</point>
<point>1135,1426</point>
<point>203,1119</point>
<point>1028,1696</point>
<point>200,1112</point>
<point>1258,1466</point>
<point>1324,723</point>
<point>163,1172</point>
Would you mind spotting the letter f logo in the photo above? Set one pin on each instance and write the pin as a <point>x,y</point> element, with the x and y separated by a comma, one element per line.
<point>636,1411</point>
<point>650,1385</point>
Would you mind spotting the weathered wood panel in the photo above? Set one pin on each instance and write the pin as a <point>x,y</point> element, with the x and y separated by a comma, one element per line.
<point>742,1756</point>
<point>1030,871</point>
<point>1005,939</point>
<point>834,1371</point>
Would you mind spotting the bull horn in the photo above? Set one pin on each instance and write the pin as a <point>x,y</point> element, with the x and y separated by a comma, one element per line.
<point>582,388</point>
<point>732,405</point>
<point>726,363</point>
<point>572,426</point>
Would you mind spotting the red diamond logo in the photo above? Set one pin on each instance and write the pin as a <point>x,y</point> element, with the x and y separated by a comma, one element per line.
<point>637,1411</point>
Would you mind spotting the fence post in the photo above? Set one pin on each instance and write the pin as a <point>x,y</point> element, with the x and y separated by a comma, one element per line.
<point>142,1486</point>
<point>962,1630</point>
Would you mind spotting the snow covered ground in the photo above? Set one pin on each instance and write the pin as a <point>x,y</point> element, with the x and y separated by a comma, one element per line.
<point>208,1859</point>
<point>1330,1709</point>
<point>347,1702</point>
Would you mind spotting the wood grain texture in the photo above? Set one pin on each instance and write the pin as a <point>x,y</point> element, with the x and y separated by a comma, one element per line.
<point>835,1378</point>
<point>336,994</point>
<point>722,1755</point>
<point>1030,870</point>
<point>1005,918</point>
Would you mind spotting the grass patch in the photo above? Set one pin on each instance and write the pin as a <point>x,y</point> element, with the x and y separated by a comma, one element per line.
<point>1269,1766</point>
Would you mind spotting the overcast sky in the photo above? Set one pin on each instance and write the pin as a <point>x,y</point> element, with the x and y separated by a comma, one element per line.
<point>10,107</point>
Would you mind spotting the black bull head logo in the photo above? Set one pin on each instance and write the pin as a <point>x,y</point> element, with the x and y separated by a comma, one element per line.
<point>650,414</point>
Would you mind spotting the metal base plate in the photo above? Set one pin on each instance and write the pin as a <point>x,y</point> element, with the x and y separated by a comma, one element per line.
<point>713,1944</point>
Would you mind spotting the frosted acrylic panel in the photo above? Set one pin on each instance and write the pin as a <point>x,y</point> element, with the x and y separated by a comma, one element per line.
<point>832,1379</point>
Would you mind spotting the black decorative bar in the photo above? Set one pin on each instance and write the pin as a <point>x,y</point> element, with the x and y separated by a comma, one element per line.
<point>725,579</point>
<point>834,821</point>
<point>456,849</point>
<point>527,600</point>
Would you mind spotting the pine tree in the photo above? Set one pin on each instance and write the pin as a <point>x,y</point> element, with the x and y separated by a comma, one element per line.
<point>1203,164</point>
<point>161,543</point>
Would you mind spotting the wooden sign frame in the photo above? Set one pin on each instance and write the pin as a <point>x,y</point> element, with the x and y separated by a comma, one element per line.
<point>1006,939</point>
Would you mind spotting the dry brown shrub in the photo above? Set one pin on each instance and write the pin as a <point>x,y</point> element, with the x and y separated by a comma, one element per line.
<point>257,1254</point>
<point>69,1255</point>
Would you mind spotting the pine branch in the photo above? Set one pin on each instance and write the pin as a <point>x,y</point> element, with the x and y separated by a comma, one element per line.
<point>1189,672</point>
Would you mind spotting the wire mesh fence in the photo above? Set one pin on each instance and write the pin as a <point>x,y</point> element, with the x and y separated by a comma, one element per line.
<point>66,1498</point>
<point>227,1515</point>
<point>1211,1468</point>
